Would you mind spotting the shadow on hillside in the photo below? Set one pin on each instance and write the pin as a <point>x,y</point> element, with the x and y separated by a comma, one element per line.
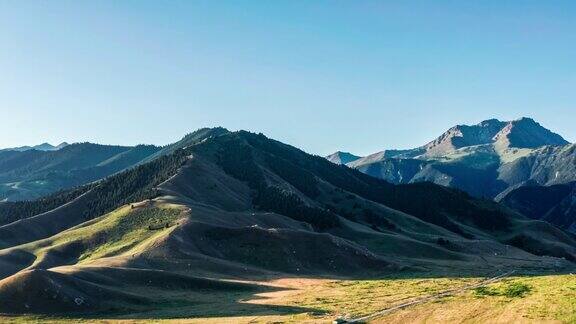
<point>165,304</point>
<point>116,293</point>
<point>141,294</point>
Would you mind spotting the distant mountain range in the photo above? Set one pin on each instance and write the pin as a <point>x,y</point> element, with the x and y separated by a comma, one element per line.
<point>488,160</point>
<point>40,147</point>
<point>32,173</point>
<point>219,209</point>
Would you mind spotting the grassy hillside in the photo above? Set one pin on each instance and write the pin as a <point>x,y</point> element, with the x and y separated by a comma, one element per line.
<point>113,233</point>
<point>130,186</point>
<point>205,229</point>
<point>252,158</point>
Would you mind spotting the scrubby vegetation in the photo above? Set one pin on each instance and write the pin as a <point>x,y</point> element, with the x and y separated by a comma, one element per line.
<point>511,290</point>
<point>485,291</point>
<point>517,289</point>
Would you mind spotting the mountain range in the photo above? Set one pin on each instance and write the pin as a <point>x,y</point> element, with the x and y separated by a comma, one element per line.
<point>33,173</point>
<point>40,147</point>
<point>220,210</point>
<point>28,173</point>
<point>487,160</point>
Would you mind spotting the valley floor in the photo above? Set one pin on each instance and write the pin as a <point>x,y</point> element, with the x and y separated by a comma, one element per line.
<point>550,298</point>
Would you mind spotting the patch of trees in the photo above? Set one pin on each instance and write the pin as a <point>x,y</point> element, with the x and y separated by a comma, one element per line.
<point>377,220</point>
<point>236,158</point>
<point>305,165</point>
<point>275,200</point>
<point>133,185</point>
<point>531,245</point>
<point>429,202</point>
<point>491,219</point>
<point>359,214</point>
<point>241,154</point>
<point>447,244</point>
<point>443,242</point>
<point>439,205</point>
<point>301,179</point>
<point>350,215</point>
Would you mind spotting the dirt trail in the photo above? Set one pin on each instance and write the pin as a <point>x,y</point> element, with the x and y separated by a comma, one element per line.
<point>426,299</point>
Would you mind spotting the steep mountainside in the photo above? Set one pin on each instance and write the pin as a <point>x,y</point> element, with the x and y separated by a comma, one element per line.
<point>555,204</point>
<point>241,206</point>
<point>486,160</point>
<point>526,133</point>
<point>31,174</point>
<point>463,135</point>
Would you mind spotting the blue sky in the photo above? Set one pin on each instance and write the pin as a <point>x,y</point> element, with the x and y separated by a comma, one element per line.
<point>359,76</point>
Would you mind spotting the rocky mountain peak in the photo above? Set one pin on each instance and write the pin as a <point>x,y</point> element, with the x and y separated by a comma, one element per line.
<point>526,133</point>
<point>340,157</point>
<point>520,133</point>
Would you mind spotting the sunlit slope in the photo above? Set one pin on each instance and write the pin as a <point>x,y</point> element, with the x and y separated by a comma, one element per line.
<point>128,258</point>
<point>90,283</point>
<point>116,233</point>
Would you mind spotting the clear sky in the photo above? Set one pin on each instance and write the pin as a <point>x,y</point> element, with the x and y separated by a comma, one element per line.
<point>359,76</point>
